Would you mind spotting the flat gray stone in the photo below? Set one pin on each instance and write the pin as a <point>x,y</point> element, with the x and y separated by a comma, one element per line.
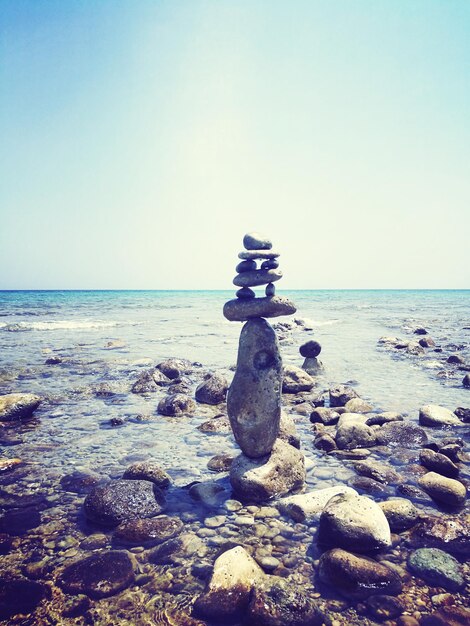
<point>241,310</point>
<point>258,254</point>
<point>255,241</point>
<point>256,278</point>
<point>254,397</point>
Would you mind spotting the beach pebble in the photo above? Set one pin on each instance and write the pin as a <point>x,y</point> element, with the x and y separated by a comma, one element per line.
<point>145,532</point>
<point>295,379</point>
<point>357,405</point>
<point>246,266</point>
<point>439,463</point>
<point>228,592</point>
<point>261,479</point>
<point>17,406</point>
<point>310,349</point>
<point>215,522</point>
<point>178,550</point>
<point>436,568</point>
<point>437,416</point>
<point>255,241</point>
<point>176,404</point>
<point>443,489</point>
<point>257,277</point>
<point>354,522</point>
<point>401,514</point>
<point>245,292</point>
<point>357,577</point>
<point>240,310</point>
<point>340,394</point>
<point>213,390</point>
<point>122,500</point>
<point>98,576</point>
<point>233,505</point>
<point>146,470</point>
<point>209,492</point>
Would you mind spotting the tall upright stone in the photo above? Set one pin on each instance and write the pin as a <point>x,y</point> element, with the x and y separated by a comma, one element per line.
<point>254,397</point>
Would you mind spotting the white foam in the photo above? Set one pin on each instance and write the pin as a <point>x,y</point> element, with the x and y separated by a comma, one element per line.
<point>83,324</point>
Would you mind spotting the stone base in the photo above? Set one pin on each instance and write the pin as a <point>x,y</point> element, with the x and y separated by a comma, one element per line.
<point>273,475</point>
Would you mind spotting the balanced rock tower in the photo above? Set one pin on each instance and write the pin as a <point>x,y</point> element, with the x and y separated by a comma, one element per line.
<point>268,466</point>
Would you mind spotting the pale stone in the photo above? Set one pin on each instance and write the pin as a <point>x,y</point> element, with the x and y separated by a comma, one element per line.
<point>254,397</point>
<point>435,415</point>
<point>443,489</point>
<point>296,379</point>
<point>307,507</point>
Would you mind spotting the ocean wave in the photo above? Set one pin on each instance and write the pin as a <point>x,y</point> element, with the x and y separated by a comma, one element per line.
<point>64,325</point>
<point>317,324</point>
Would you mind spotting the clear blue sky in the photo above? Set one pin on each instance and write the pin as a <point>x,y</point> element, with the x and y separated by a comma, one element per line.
<point>139,141</point>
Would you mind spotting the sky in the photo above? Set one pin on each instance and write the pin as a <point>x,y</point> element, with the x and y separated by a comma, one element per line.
<point>141,139</point>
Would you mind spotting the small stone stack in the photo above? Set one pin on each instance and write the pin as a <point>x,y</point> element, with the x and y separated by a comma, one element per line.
<point>247,305</point>
<point>268,466</point>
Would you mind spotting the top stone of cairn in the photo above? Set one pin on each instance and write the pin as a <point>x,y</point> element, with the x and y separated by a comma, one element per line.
<point>255,241</point>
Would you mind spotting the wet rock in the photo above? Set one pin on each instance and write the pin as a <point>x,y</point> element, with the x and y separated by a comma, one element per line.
<point>384,607</point>
<point>254,397</point>
<point>210,492</point>
<point>439,463</point>
<point>175,368</point>
<point>354,522</point>
<point>384,418</point>
<point>122,500</point>
<point>448,616</point>
<point>255,241</point>
<point>241,310</point>
<point>401,514</point>
<point>357,405</point>
<point>463,414</point>
<point>176,404</point>
<point>443,489</point>
<point>307,507</point>
<point>295,379</point>
<point>273,475</point>
<point>341,394</point>
<point>402,435</point>
<point>19,596</point>
<point>227,596</point>
<point>276,602</point>
<point>288,431</point>
<point>213,390</point>
<point>325,442</point>
<point>17,406</point>
<point>150,381</point>
<point>456,359</point>
<point>437,416</point>
<point>310,349</point>
<point>378,471</point>
<point>75,606</point>
<point>466,381</point>
<point>7,465</point>
<point>420,331</point>
<point>450,533</point>
<point>17,522</point>
<point>175,551</point>
<point>220,463</point>
<point>323,415</point>
<point>370,486</point>
<point>79,481</point>
<point>357,577</point>
<point>144,532</point>
<point>312,366</point>
<point>147,470</point>
<point>427,342</point>
<point>437,568</point>
<point>218,424</point>
<point>98,576</point>
<point>415,348</point>
<point>353,432</point>
<point>54,360</point>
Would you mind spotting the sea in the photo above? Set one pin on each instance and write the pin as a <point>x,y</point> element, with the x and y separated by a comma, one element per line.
<point>82,350</point>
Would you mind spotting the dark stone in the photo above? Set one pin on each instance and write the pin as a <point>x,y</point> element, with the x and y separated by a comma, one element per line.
<point>144,532</point>
<point>401,434</point>
<point>324,441</point>
<point>466,381</point>
<point>310,349</point>
<point>147,470</point>
<point>450,533</point>
<point>420,331</point>
<point>463,414</point>
<point>150,381</point>
<point>175,368</point>
<point>213,390</point>
<point>270,290</point>
<point>245,292</point>
<point>19,596</point>
<point>255,241</point>
<point>123,500</point>
<point>79,482</point>
<point>323,415</point>
<point>98,576</point>
<point>271,264</point>
<point>384,607</point>
<point>176,404</point>
<point>245,266</point>
<point>17,522</point>
<point>456,359</point>
<point>439,463</point>
<point>256,278</point>
<point>369,485</point>
<point>17,406</point>
<point>448,616</point>
<point>75,606</point>
<point>53,360</point>
<point>426,342</point>
<point>220,463</point>
<point>241,310</point>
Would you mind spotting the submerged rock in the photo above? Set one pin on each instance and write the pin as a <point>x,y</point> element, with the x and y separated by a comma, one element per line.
<point>98,576</point>
<point>80,482</point>
<point>227,596</point>
<point>357,577</point>
<point>148,531</point>
<point>122,500</point>
<point>378,471</point>
<point>176,404</point>
<point>213,390</point>
<point>19,596</point>
<point>448,616</point>
<point>177,550</point>
<point>147,470</point>
<point>278,473</point>
<point>354,522</point>
<point>437,568</point>
<point>254,397</point>
<point>17,406</point>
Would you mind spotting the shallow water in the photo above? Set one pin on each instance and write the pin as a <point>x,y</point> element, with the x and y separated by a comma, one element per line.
<point>71,430</point>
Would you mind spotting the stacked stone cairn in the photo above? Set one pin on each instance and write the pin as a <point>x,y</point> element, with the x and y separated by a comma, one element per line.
<point>268,466</point>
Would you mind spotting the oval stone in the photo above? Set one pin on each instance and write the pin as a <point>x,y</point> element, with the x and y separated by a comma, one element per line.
<point>257,277</point>
<point>98,576</point>
<point>258,254</point>
<point>255,241</point>
<point>245,292</point>
<point>271,264</point>
<point>246,266</point>
<point>270,290</point>
<point>243,309</point>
